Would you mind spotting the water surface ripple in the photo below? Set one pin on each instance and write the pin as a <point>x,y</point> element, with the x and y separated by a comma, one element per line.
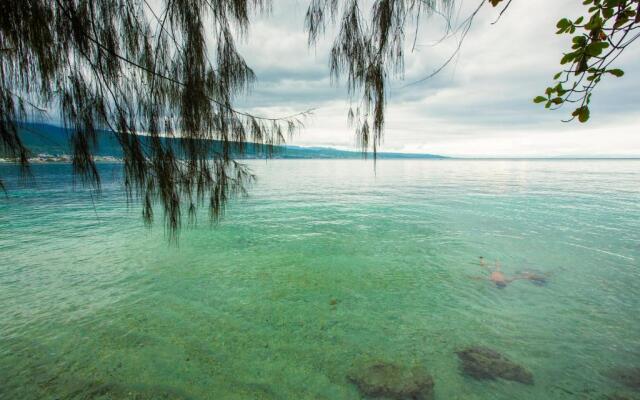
<point>327,263</point>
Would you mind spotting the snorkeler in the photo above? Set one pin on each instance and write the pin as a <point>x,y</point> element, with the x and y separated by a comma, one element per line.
<point>501,280</point>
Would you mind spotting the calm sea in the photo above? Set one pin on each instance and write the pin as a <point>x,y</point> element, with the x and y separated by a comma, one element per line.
<point>326,263</point>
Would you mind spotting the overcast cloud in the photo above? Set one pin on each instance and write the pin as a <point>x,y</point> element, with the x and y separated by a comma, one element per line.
<point>480,105</point>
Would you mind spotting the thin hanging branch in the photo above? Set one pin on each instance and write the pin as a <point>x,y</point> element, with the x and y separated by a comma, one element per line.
<point>163,83</point>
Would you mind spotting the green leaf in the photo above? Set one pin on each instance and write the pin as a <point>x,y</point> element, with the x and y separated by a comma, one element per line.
<point>568,58</point>
<point>613,3</point>
<point>594,49</point>
<point>583,114</point>
<point>616,72</point>
<point>623,19</point>
<point>607,13</point>
<point>579,41</point>
<point>563,23</point>
<point>539,99</point>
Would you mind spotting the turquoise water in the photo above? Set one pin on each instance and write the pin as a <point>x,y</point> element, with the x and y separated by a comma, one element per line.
<point>327,263</point>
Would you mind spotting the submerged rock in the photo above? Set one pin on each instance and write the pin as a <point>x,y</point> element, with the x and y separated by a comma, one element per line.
<point>483,363</point>
<point>381,379</point>
<point>629,377</point>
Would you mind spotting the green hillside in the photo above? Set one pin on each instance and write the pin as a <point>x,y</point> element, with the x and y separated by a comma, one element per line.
<point>54,140</point>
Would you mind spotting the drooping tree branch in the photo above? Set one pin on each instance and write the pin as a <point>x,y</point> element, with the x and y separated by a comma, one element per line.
<point>369,49</point>
<point>163,82</point>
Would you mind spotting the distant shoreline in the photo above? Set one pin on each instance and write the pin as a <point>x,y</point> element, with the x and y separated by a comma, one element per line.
<point>66,159</point>
<point>49,144</point>
<point>58,159</point>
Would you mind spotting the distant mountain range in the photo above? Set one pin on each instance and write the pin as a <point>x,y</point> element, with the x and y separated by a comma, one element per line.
<point>54,140</point>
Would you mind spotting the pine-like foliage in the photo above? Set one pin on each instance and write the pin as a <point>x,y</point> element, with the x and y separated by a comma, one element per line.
<point>369,50</point>
<point>145,71</point>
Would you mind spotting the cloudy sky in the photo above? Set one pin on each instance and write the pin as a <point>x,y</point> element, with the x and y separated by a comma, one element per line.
<point>480,105</point>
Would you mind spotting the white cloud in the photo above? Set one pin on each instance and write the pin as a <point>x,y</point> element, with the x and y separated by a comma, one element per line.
<point>479,106</point>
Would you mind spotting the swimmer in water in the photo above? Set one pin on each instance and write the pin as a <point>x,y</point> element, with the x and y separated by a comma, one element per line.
<point>501,281</point>
<point>499,278</point>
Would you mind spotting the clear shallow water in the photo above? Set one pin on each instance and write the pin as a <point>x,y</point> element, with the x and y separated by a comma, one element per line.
<point>94,305</point>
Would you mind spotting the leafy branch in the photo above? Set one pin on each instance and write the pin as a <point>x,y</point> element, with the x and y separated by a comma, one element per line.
<point>599,38</point>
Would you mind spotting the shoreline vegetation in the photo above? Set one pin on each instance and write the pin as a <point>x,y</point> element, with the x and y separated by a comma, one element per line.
<point>49,144</point>
<point>44,158</point>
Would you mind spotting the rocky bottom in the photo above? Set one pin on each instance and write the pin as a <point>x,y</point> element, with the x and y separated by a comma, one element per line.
<point>382,379</point>
<point>484,363</point>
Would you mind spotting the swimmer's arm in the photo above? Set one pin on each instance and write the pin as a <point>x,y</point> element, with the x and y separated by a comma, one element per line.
<point>518,277</point>
<point>529,276</point>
